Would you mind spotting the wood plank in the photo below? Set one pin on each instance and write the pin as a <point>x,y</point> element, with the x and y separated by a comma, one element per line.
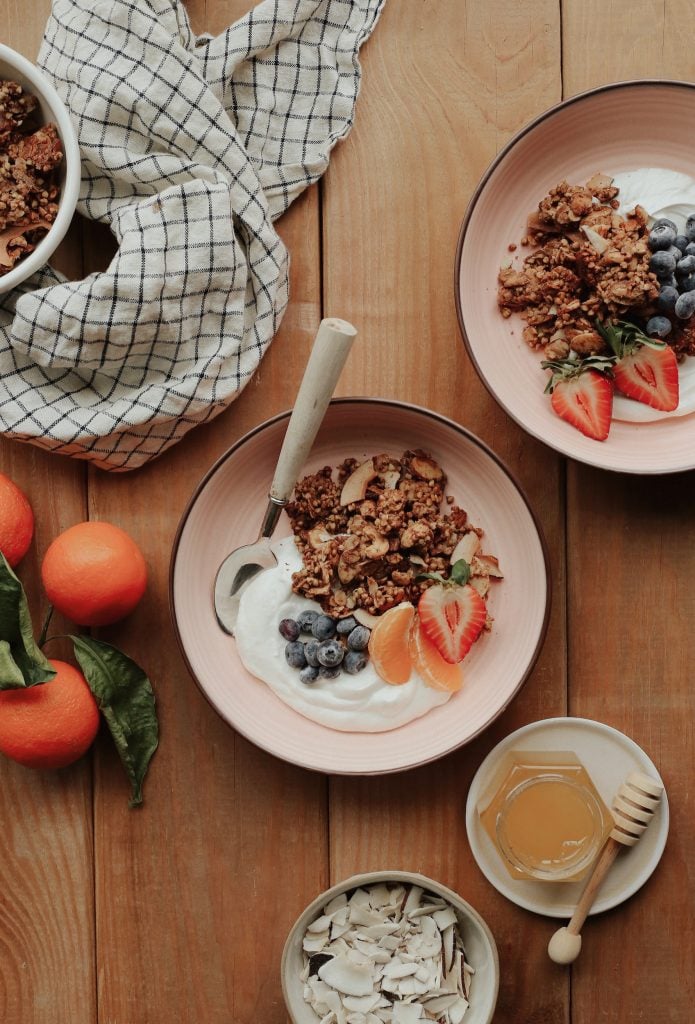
<point>46,871</point>
<point>631,600</point>
<point>440,97</point>
<point>196,892</point>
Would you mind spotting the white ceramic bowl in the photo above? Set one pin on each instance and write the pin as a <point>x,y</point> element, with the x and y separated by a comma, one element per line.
<point>481,951</point>
<point>17,68</point>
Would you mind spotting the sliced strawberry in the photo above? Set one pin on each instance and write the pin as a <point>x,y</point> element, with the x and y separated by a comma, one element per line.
<point>582,393</point>
<point>649,375</point>
<point>452,617</point>
<point>646,368</point>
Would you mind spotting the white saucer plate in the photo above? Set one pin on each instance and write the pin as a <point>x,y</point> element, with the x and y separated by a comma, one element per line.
<point>609,756</point>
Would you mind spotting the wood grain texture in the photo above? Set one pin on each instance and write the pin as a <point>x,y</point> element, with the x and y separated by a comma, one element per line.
<point>47,939</point>
<point>631,560</point>
<point>441,94</point>
<point>179,911</point>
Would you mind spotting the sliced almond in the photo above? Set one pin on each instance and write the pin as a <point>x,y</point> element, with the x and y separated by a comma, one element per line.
<point>366,618</point>
<point>481,584</point>
<point>466,548</point>
<point>355,487</point>
<point>425,468</point>
<point>597,242</point>
<point>489,565</point>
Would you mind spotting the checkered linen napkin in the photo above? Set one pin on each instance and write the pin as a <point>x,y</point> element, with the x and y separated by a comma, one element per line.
<point>191,148</point>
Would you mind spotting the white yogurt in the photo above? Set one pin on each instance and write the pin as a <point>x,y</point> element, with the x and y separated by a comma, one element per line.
<point>359,703</point>
<point>662,193</point>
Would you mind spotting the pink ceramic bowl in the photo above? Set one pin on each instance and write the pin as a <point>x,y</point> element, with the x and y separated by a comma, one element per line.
<point>226,511</point>
<point>613,129</point>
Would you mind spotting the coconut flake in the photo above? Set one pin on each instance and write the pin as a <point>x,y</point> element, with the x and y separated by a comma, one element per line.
<point>387,954</point>
<point>350,978</point>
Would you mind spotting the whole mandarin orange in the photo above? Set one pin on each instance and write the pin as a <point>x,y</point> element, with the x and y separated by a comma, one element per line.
<point>16,521</point>
<point>50,725</point>
<point>94,573</point>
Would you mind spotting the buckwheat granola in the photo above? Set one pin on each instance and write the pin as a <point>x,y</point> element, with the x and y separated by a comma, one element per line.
<point>29,158</point>
<point>589,263</point>
<point>366,532</point>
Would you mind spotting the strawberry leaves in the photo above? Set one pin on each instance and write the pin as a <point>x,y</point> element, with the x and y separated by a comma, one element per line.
<point>581,393</point>
<point>459,575</point>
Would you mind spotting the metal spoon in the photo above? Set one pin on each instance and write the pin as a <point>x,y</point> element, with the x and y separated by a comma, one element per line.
<point>330,350</point>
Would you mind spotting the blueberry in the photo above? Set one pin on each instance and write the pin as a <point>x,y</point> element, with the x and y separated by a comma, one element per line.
<point>306,620</point>
<point>681,243</point>
<point>662,235</point>
<point>668,297</point>
<point>358,639</point>
<point>310,653</point>
<point>690,249</point>
<point>663,263</point>
<point>686,284</point>
<point>685,307</point>
<point>329,671</point>
<point>346,626</point>
<point>294,653</point>
<point>289,629</point>
<point>690,228</point>
<point>658,326</point>
<point>668,282</point>
<point>665,222</point>
<point>355,661</point>
<point>685,266</point>
<point>323,627</point>
<point>309,674</point>
<point>330,653</point>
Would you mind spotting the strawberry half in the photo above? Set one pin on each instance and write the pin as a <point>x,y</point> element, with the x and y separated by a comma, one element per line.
<point>453,617</point>
<point>582,393</point>
<point>646,368</point>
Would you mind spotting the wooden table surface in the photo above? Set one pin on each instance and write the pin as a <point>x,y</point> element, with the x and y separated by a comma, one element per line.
<point>178,911</point>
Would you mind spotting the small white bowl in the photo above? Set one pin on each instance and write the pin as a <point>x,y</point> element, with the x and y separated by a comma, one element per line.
<point>17,68</point>
<point>481,951</point>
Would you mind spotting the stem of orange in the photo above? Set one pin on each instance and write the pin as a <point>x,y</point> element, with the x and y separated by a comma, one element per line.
<point>46,623</point>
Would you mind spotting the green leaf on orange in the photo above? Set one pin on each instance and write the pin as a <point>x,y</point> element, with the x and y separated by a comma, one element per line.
<point>22,663</point>
<point>126,700</point>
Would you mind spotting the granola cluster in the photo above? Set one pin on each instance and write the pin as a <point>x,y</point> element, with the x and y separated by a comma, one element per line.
<point>29,158</point>
<point>588,264</point>
<point>366,534</point>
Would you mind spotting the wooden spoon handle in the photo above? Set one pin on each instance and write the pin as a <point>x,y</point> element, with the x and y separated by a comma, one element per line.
<point>331,347</point>
<point>586,900</point>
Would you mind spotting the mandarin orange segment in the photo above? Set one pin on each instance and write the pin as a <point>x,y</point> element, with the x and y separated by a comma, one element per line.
<point>389,647</point>
<point>429,664</point>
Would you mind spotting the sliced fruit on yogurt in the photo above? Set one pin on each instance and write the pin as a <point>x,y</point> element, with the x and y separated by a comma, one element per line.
<point>646,368</point>
<point>435,672</point>
<point>452,613</point>
<point>389,647</point>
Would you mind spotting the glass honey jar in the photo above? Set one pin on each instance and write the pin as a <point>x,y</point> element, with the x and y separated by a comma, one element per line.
<point>544,815</point>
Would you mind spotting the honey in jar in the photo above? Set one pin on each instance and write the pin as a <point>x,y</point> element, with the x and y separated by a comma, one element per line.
<point>545,816</point>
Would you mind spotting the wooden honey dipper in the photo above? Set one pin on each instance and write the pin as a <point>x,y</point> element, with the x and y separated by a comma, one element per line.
<point>633,808</point>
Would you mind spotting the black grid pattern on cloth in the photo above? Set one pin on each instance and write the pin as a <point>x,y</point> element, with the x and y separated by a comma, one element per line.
<point>191,148</point>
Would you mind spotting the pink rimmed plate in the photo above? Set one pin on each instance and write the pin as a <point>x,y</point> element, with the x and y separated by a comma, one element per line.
<point>225,512</point>
<point>614,129</point>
